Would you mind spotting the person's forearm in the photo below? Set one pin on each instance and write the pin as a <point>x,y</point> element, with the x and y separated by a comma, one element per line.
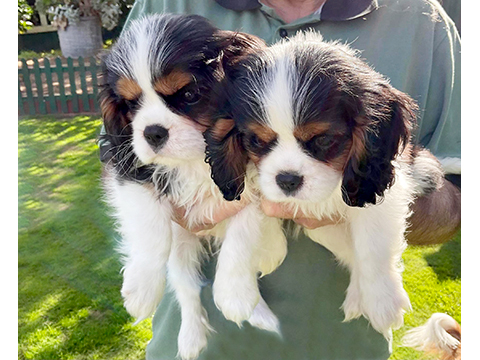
<point>221,213</point>
<point>285,211</point>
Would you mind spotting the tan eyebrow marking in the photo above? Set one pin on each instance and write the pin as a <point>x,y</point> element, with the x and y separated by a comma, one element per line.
<point>307,131</point>
<point>170,84</point>
<point>264,132</point>
<point>128,88</point>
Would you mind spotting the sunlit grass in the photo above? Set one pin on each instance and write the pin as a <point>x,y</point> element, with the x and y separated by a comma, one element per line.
<point>432,278</point>
<point>69,282</point>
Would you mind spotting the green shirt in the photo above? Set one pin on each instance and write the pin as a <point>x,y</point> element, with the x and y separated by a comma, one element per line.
<point>305,292</point>
<point>416,45</point>
<point>412,42</point>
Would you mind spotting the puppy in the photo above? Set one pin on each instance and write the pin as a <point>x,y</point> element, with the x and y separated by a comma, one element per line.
<point>157,100</point>
<point>330,138</point>
<point>440,335</point>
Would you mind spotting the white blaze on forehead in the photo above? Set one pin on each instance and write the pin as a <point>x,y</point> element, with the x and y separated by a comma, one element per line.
<point>141,61</point>
<point>143,50</point>
<point>278,101</point>
<point>280,91</point>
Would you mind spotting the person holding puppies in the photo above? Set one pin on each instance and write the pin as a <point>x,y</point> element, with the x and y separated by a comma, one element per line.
<point>414,44</point>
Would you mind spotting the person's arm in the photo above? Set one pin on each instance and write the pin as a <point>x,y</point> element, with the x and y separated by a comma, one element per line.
<point>227,210</point>
<point>436,217</point>
<point>284,211</point>
<point>440,125</point>
<point>141,8</point>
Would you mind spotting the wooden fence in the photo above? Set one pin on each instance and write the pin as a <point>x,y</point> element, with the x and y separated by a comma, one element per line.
<point>58,86</point>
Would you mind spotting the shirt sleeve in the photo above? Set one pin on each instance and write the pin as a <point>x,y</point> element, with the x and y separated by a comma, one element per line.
<point>441,122</point>
<point>136,12</point>
<point>142,8</point>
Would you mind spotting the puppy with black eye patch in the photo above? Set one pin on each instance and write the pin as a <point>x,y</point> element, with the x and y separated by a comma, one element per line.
<point>157,100</point>
<point>329,137</point>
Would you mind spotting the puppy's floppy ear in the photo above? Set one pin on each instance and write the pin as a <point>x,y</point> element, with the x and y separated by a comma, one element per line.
<point>381,130</point>
<point>224,151</point>
<point>235,45</point>
<point>227,158</point>
<point>114,115</point>
<point>118,131</point>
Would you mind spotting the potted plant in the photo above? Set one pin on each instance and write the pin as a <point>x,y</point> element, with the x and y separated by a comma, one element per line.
<point>79,23</point>
<point>25,13</point>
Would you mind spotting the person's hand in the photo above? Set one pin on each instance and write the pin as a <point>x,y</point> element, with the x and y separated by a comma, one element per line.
<point>228,209</point>
<point>284,211</point>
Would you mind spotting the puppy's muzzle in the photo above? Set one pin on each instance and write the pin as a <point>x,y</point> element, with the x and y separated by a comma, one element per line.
<point>156,136</point>
<point>289,182</point>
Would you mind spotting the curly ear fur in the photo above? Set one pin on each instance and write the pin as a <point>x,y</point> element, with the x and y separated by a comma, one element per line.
<point>115,119</point>
<point>380,132</point>
<point>224,151</point>
<point>236,45</point>
<point>118,132</point>
<point>227,158</point>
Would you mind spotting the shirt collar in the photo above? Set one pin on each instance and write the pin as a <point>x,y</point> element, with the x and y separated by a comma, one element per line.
<point>333,10</point>
<point>319,10</point>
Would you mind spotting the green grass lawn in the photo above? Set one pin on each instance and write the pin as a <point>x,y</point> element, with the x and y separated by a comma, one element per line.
<point>69,282</point>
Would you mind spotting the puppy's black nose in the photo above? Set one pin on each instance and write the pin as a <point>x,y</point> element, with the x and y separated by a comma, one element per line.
<point>289,182</point>
<point>155,135</point>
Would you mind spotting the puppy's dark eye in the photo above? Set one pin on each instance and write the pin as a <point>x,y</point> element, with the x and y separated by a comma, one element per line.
<point>325,146</point>
<point>132,104</point>
<point>255,143</point>
<point>191,97</point>
<point>190,94</point>
<point>187,100</point>
<point>319,141</point>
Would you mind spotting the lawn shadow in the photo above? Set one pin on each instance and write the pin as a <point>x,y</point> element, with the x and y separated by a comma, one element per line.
<point>446,262</point>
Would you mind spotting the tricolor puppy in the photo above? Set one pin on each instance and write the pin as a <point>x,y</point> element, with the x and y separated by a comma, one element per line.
<point>157,100</point>
<point>330,137</point>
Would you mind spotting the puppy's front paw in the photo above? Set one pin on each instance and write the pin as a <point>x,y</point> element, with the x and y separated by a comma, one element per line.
<point>192,337</point>
<point>352,304</point>
<point>269,261</point>
<point>272,249</point>
<point>236,297</point>
<point>142,291</point>
<point>384,303</point>
<point>263,318</point>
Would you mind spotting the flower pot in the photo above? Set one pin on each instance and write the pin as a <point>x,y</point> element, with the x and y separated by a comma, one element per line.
<point>81,38</point>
